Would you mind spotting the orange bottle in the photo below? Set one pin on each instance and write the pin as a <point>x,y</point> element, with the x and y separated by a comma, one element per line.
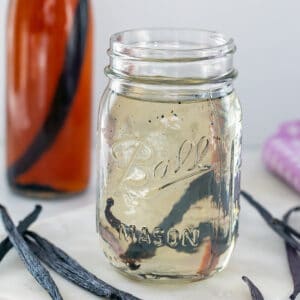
<point>49,69</point>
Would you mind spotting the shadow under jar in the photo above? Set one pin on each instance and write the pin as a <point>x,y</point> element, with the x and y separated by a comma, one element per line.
<point>169,146</point>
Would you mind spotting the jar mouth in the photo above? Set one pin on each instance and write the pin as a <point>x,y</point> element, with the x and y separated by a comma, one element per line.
<point>167,44</point>
<point>171,55</point>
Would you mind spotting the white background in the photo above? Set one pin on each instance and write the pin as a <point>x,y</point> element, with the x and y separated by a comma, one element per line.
<point>267,34</point>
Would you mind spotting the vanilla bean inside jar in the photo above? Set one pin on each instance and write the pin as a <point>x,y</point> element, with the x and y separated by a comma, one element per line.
<point>169,145</point>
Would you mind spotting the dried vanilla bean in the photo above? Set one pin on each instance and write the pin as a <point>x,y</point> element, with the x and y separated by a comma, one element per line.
<point>200,188</point>
<point>6,245</point>
<point>293,258</point>
<point>31,262</point>
<point>71,270</point>
<point>255,292</point>
<point>289,234</point>
<point>280,227</point>
<point>68,268</point>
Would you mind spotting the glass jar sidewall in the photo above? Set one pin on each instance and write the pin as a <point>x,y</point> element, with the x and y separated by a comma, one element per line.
<point>108,107</point>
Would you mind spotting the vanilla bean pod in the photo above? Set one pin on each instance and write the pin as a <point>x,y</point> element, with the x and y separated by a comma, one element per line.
<point>31,262</point>
<point>290,236</point>
<point>68,268</point>
<point>293,257</point>
<point>61,262</point>
<point>255,292</point>
<point>6,245</point>
<point>200,188</point>
<point>71,270</point>
<point>280,227</point>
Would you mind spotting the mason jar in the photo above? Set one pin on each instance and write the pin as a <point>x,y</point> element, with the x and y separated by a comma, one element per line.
<point>169,154</point>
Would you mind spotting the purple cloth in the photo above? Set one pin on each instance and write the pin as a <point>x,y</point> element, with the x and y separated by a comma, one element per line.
<point>281,153</point>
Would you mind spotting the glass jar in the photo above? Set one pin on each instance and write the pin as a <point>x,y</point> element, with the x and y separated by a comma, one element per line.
<point>49,69</point>
<point>169,147</point>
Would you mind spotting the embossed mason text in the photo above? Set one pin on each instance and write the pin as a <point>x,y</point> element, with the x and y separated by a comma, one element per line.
<point>158,237</point>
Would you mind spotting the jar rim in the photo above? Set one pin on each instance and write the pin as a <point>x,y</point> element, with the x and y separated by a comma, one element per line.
<point>170,44</point>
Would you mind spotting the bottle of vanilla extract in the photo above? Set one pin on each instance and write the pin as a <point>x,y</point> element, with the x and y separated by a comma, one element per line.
<point>48,105</point>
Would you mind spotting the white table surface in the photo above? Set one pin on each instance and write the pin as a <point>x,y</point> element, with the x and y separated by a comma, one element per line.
<point>259,254</point>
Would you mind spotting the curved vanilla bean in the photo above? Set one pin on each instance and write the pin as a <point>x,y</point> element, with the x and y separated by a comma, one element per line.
<point>201,187</point>
<point>286,217</point>
<point>111,219</point>
<point>198,189</point>
<point>293,257</point>
<point>137,251</point>
<point>31,262</point>
<point>255,292</point>
<point>6,245</point>
<point>70,269</point>
<point>63,97</point>
<point>280,227</point>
